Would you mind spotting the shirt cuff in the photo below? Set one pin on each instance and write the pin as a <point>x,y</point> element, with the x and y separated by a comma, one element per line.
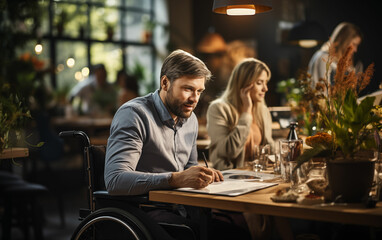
<point>163,180</point>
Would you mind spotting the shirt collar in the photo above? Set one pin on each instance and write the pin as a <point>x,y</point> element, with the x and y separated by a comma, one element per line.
<point>163,112</point>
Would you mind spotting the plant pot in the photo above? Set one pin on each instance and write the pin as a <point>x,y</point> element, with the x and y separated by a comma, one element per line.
<point>60,29</point>
<point>110,34</point>
<point>351,179</point>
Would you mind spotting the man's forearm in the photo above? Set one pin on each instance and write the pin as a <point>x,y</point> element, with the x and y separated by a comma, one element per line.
<point>136,183</point>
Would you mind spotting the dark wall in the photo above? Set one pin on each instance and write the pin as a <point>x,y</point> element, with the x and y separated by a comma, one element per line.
<point>263,28</point>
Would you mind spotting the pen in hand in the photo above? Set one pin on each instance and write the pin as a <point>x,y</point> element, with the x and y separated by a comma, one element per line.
<point>220,175</point>
<point>205,159</point>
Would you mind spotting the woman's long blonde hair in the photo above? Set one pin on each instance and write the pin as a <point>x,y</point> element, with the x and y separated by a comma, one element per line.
<point>242,76</point>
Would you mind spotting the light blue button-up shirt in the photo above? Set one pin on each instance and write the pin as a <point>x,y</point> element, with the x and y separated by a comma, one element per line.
<point>145,146</point>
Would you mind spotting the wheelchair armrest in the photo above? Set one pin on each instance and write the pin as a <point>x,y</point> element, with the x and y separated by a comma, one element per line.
<point>136,199</point>
<point>130,198</point>
<point>104,199</point>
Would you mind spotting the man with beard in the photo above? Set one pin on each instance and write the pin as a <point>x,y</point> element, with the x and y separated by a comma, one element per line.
<point>152,143</point>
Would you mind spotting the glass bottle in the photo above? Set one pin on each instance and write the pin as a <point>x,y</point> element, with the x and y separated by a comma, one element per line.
<point>292,135</point>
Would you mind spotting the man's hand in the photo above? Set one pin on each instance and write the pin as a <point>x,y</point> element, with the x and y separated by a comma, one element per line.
<point>195,177</point>
<point>218,176</point>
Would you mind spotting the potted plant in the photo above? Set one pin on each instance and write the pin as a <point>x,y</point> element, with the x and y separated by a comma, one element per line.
<point>110,30</point>
<point>17,74</point>
<point>290,90</point>
<point>346,140</point>
<point>13,115</point>
<point>61,21</point>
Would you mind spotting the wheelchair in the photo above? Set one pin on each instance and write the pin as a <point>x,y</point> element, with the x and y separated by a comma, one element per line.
<point>116,217</point>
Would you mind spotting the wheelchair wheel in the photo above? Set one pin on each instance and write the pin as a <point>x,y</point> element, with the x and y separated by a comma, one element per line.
<point>111,223</point>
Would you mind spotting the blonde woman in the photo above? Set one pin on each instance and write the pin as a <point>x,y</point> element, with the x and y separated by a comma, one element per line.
<point>239,119</point>
<point>344,35</point>
<point>236,122</point>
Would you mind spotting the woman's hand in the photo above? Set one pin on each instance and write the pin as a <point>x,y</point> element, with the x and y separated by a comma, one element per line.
<point>245,95</point>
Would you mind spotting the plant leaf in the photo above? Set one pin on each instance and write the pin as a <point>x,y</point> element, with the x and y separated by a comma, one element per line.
<point>310,153</point>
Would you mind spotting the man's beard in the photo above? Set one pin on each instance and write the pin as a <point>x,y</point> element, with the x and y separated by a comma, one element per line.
<point>175,106</point>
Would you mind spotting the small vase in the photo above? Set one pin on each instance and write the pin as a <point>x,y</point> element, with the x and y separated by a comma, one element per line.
<point>352,180</point>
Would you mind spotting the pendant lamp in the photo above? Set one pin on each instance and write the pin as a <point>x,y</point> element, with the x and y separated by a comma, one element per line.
<point>307,34</point>
<point>241,7</point>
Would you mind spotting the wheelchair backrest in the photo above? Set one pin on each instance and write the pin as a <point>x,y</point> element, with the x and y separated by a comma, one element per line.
<point>97,166</point>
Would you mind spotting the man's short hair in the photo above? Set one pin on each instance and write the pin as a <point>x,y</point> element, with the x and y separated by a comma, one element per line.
<point>180,63</point>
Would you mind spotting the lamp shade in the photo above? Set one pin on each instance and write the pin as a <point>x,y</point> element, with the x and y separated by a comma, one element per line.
<point>307,34</point>
<point>249,7</point>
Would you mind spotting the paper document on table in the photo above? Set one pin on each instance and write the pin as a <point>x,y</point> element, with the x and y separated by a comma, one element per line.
<point>230,187</point>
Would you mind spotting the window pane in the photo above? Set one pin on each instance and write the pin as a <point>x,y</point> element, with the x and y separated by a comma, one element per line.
<point>108,2</point>
<point>110,55</point>
<point>139,63</point>
<point>69,19</point>
<point>105,23</point>
<point>144,4</point>
<point>42,55</point>
<point>135,26</point>
<point>113,2</point>
<point>69,76</point>
<point>44,27</point>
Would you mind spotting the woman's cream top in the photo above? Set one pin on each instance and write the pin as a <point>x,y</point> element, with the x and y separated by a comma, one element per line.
<point>229,132</point>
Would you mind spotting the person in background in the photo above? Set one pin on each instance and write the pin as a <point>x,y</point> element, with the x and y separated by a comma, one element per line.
<point>152,142</point>
<point>94,93</point>
<point>344,35</point>
<point>237,122</point>
<point>128,87</point>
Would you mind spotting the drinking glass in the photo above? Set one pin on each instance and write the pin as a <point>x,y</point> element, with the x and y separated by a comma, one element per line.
<point>277,162</point>
<point>317,180</point>
<point>256,167</point>
<point>256,159</point>
<point>289,151</point>
<point>260,155</point>
<point>265,151</point>
<point>298,177</point>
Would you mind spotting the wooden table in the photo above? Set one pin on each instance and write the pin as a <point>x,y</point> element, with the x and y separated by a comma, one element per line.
<point>90,125</point>
<point>18,152</point>
<point>97,129</point>
<point>259,202</point>
<point>7,156</point>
